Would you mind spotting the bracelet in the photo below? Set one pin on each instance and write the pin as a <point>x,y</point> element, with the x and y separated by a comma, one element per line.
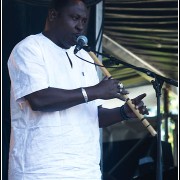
<point>84,94</point>
<point>123,114</point>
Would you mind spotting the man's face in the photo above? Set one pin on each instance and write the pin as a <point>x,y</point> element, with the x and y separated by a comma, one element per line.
<point>69,24</point>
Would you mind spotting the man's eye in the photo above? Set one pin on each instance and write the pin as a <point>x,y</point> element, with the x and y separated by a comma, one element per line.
<point>84,21</point>
<point>75,18</point>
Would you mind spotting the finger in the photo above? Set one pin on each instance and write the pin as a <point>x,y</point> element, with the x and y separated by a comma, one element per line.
<point>122,91</point>
<point>140,104</point>
<point>138,98</point>
<point>120,96</point>
<point>120,85</point>
<point>105,78</point>
<point>143,110</point>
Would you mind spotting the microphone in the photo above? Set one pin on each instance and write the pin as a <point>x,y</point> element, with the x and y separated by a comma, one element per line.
<point>81,41</point>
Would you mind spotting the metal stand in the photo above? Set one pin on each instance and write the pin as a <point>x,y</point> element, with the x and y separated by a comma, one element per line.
<point>157,84</point>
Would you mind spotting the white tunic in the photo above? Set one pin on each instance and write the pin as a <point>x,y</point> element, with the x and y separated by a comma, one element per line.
<point>60,145</point>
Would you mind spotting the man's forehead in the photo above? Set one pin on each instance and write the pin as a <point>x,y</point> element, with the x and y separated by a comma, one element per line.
<point>78,7</point>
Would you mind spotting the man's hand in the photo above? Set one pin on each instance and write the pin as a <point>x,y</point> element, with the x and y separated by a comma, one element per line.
<point>110,88</point>
<point>139,104</point>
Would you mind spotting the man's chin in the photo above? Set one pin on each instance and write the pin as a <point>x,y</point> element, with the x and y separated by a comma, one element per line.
<point>68,45</point>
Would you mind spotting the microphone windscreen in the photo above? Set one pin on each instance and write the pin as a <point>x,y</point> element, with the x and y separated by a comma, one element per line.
<point>83,39</point>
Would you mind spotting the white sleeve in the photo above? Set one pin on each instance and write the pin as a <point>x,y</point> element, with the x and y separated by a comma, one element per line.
<point>27,69</point>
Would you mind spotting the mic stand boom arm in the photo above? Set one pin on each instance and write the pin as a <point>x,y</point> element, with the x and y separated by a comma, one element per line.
<point>146,71</point>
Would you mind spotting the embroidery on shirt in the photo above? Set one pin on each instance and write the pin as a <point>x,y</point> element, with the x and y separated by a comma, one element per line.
<point>69,60</point>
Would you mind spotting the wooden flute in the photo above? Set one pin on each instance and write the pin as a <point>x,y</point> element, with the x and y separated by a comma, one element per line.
<point>128,100</point>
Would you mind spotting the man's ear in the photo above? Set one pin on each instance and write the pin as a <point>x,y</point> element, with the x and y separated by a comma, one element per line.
<point>52,14</point>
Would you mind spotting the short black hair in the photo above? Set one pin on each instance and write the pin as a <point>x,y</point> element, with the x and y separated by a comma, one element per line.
<point>59,4</point>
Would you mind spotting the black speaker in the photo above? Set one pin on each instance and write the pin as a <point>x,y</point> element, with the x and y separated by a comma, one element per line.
<point>133,159</point>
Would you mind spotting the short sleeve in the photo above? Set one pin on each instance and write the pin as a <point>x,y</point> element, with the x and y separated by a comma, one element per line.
<point>27,69</point>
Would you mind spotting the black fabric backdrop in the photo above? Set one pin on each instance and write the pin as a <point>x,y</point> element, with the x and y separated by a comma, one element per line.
<point>19,20</point>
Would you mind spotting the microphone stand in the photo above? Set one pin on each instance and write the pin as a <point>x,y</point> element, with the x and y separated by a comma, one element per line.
<point>157,85</point>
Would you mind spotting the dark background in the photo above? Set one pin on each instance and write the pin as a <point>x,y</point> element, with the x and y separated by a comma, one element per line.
<point>19,20</point>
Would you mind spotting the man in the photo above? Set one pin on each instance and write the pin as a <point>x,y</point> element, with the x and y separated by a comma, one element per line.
<point>55,102</point>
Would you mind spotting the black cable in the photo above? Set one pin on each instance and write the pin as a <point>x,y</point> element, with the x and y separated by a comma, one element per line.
<point>96,64</point>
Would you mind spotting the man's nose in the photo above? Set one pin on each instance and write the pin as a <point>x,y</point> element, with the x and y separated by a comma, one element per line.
<point>80,26</point>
